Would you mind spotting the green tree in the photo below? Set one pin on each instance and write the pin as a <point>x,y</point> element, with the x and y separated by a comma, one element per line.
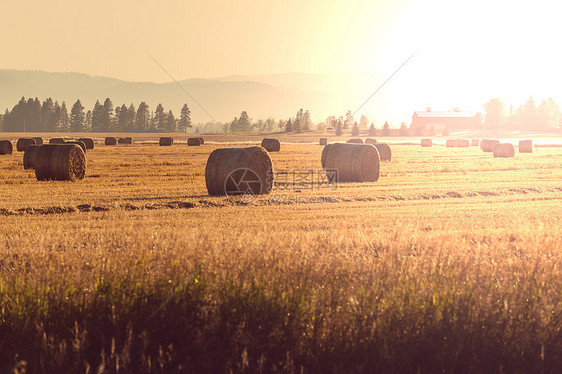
<point>355,129</point>
<point>548,115</point>
<point>348,120</point>
<point>159,121</point>
<point>494,116</point>
<point>170,122</point>
<point>97,114</point>
<point>48,122</point>
<point>289,126</point>
<point>107,115</point>
<point>386,129</point>
<point>363,122</point>
<point>307,121</point>
<point>339,127</point>
<point>131,116</point>
<point>185,119</point>
<point>77,117</point>
<point>244,123</point>
<point>63,120</point>
<point>142,118</point>
<point>372,130</point>
<point>88,121</point>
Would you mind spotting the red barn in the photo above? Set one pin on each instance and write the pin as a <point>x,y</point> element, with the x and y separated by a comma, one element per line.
<point>453,120</point>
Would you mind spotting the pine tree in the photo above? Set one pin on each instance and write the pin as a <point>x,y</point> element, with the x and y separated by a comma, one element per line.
<point>355,129</point>
<point>372,130</point>
<point>170,122</point>
<point>348,120</point>
<point>289,126</point>
<point>77,117</point>
<point>131,114</point>
<point>142,118</point>
<point>386,129</point>
<point>339,127</point>
<point>63,120</point>
<point>107,118</point>
<point>97,117</point>
<point>307,121</point>
<point>185,119</point>
<point>88,121</point>
<point>244,123</point>
<point>363,122</point>
<point>159,119</point>
<point>48,122</point>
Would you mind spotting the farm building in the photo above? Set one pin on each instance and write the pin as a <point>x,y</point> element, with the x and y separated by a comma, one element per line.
<point>453,120</point>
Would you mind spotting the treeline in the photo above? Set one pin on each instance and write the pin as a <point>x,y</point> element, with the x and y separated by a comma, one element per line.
<point>545,116</point>
<point>33,116</point>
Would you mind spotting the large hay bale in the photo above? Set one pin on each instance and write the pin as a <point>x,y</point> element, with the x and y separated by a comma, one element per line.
<point>128,140</point>
<point>323,141</point>
<point>38,140</point>
<point>463,143</point>
<point>353,162</point>
<point>88,141</point>
<point>451,143</point>
<point>6,147</point>
<point>475,142</point>
<point>487,145</point>
<point>202,141</point>
<point>238,171</point>
<point>426,142</point>
<point>23,143</point>
<point>166,141</point>
<point>79,143</point>
<point>385,152</point>
<point>504,150</point>
<point>60,162</point>
<point>29,156</point>
<point>110,140</point>
<point>355,141</point>
<point>56,141</point>
<point>370,141</point>
<point>271,145</point>
<point>525,146</point>
<point>121,141</point>
<point>193,141</point>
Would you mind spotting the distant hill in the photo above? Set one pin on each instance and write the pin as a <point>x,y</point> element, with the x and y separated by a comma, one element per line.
<point>278,96</point>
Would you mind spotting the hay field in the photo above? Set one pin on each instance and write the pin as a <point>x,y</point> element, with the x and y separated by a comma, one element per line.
<point>450,262</point>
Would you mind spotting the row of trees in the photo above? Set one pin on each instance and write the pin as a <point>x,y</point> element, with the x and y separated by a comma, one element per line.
<point>33,116</point>
<point>546,116</point>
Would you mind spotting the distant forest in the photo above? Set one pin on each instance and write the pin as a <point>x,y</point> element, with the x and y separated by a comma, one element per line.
<point>33,116</point>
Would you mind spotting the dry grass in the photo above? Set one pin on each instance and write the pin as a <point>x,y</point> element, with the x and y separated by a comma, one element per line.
<point>450,262</point>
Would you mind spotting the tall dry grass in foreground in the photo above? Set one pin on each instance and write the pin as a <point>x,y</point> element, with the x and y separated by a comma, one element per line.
<point>458,271</point>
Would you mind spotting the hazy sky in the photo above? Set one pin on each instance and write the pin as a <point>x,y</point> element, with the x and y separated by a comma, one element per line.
<point>468,51</point>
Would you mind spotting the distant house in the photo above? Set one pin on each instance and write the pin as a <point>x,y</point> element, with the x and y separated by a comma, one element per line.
<point>453,120</point>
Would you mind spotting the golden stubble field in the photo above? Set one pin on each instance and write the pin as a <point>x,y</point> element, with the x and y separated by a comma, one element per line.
<point>450,262</point>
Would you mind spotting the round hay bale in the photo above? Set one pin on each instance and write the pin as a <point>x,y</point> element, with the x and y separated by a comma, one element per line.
<point>23,143</point>
<point>56,141</point>
<point>110,140</point>
<point>475,142</point>
<point>121,141</point>
<point>487,145</point>
<point>29,156</point>
<point>6,147</point>
<point>463,143</point>
<point>60,162</point>
<point>38,140</point>
<point>234,171</point>
<point>355,141</point>
<point>426,142</point>
<point>385,152</point>
<point>353,162</point>
<point>323,141</point>
<point>193,141</point>
<point>166,141</point>
<point>525,146</point>
<point>504,150</point>
<point>271,145</point>
<point>451,143</point>
<point>370,141</point>
<point>128,140</point>
<point>78,142</point>
<point>88,141</point>
<point>202,140</point>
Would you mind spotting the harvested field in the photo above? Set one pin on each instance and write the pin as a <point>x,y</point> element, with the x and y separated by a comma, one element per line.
<point>137,260</point>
